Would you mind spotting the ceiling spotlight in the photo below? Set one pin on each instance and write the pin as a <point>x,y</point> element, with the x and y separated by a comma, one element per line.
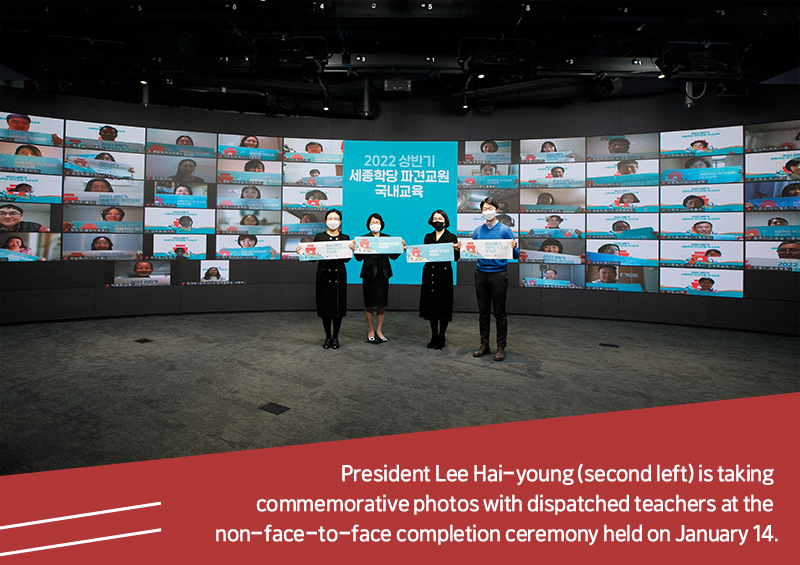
<point>481,75</point>
<point>374,5</point>
<point>465,105</point>
<point>636,62</point>
<point>325,107</point>
<point>662,75</point>
<point>527,7</point>
<point>142,82</point>
<point>322,6</point>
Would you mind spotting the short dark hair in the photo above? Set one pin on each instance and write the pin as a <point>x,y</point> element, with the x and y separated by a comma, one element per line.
<point>189,188</point>
<point>552,242</point>
<point>32,148</point>
<point>186,136</point>
<point>105,153</point>
<point>110,243</point>
<point>310,143</point>
<point>634,161</point>
<point>703,141</point>
<point>635,198</point>
<point>333,211</point>
<point>248,236</point>
<point>316,195</point>
<point>490,142</point>
<point>444,215</point>
<point>601,267</point>
<point>378,217</point>
<point>17,208</point>
<point>241,222</point>
<point>253,164</point>
<point>490,201</point>
<point>22,116</point>
<point>602,248</point>
<point>620,140</point>
<point>104,181</point>
<point>253,187</point>
<point>702,222</point>
<point>241,143</point>
<point>107,210</point>
<point>712,249</point>
<point>701,279</point>
<point>554,168</point>
<point>769,222</point>
<point>685,200</point>
<point>109,127</point>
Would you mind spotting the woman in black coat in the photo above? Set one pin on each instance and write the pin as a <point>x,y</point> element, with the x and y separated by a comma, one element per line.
<point>376,272</point>
<point>436,294</point>
<point>331,282</point>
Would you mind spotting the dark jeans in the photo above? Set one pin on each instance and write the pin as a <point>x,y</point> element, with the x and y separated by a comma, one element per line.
<point>491,289</point>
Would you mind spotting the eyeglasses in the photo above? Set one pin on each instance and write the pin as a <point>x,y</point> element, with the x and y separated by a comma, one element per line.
<point>12,214</point>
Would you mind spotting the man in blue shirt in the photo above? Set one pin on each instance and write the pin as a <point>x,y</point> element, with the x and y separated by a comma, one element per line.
<point>491,281</point>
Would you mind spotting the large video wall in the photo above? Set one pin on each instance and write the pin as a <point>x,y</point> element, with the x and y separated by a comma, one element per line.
<point>679,212</point>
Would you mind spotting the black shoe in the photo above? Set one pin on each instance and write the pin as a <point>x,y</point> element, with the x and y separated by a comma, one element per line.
<point>327,344</point>
<point>335,343</point>
<point>440,342</point>
<point>371,340</point>
<point>482,350</point>
<point>432,343</point>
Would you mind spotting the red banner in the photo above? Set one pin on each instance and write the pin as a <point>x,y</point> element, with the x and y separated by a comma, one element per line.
<point>716,481</point>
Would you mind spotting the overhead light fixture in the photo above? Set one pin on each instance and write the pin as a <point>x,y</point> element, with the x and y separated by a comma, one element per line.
<point>662,75</point>
<point>142,82</point>
<point>481,75</point>
<point>326,105</point>
<point>636,62</point>
<point>465,105</point>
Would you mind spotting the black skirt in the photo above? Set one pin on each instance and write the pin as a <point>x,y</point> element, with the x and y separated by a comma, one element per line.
<point>436,292</point>
<point>332,290</point>
<point>376,291</point>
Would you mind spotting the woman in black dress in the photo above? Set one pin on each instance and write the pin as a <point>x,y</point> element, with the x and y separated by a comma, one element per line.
<point>331,282</point>
<point>436,294</point>
<point>376,272</point>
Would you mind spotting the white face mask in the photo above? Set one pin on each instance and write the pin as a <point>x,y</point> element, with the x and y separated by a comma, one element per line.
<point>333,224</point>
<point>374,228</point>
<point>489,215</point>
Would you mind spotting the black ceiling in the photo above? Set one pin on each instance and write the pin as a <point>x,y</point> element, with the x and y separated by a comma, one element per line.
<point>285,57</point>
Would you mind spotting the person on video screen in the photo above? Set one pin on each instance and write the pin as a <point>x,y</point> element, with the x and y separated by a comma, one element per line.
<point>28,151</point>
<point>308,219</point>
<point>557,172</point>
<point>713,253</point>
<point>793,168</point>
<point>789,249</point>
<point>249,141</point>
<point>314,173</point>
<point>254,166</point>
<point>618,145</point>
<point>143,269</point>
<point>17,244</point>
<point>777,222</point>
<point>108,133</point>
<point>488,170</point>
<point>699,145</point>
<point>628,167</point>
<point>620,226</point>
<point>550,275</point>
<point>554,222</point>
<point>22,122</point>
<point>551,246</point>
<point>186,222</point>
<point>693,202</point>
<point>249,220</point>
<point>112,214</point>
<point>545,199</point>
<point>489,146</point>
<point>184,140</point>
<point>706,284</point>
<point>791,190</point>
<point>11,220</point>
<point>697,163</point>
<point>185,172</point>
<point>250,192</point>
<point>703,228</point>
<point>607,274</point>
<point>102,243</point>
<point>98,185</point>
<point>609,249</point>
<point>213,274</point>
<point>247,241</point>
<point>182,190</point>
<point>313,147</point>
<point>548,147</point>
<point>316,195</point>
<point>628,198</point>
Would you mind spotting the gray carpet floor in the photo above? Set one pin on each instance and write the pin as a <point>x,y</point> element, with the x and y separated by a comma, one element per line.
<point>84,393</point>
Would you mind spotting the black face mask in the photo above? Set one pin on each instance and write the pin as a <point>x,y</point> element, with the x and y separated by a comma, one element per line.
<point>438,226</point>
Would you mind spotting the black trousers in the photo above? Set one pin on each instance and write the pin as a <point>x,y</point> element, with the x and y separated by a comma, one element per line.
<point>492,289</point>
